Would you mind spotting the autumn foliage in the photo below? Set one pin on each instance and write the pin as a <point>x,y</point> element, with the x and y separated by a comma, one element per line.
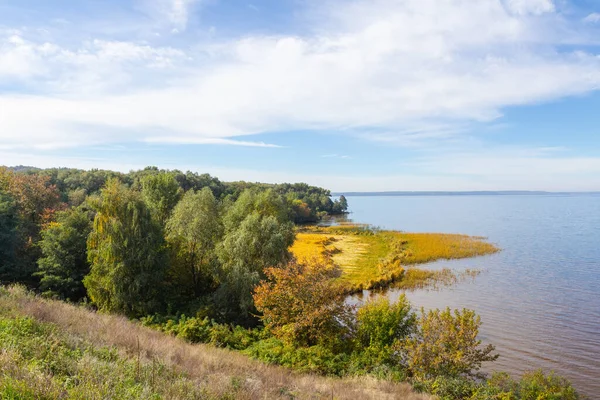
<point>301,304</point>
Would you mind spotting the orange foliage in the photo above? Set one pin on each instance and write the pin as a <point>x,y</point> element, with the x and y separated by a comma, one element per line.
<point>37,199</point>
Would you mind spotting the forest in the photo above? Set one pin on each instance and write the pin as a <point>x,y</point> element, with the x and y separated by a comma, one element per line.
<point>210,262</point>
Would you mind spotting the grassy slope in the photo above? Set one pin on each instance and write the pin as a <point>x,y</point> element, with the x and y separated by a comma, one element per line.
<point>51,349</point>
<point>366,258</point>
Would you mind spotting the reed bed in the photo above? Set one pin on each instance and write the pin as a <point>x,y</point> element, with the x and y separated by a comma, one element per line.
<point>371,258</point>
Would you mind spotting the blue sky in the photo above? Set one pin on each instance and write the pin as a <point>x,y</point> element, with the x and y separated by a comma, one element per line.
<point>353,95</point>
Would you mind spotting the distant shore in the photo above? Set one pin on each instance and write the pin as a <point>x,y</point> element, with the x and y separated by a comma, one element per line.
<point>463,193</point>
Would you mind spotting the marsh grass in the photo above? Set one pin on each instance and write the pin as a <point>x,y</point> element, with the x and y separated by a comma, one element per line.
<point>371,258</point>
<point>50,349</point>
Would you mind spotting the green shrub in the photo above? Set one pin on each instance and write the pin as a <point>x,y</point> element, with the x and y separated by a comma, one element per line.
<point>532,386</point>
<point>446,344</point>
<point>313,359</point>
<point>536,385</point>
<point>380,324</point>
<point>236,338</point>
<point>447,388</point>
<point>195,330</point>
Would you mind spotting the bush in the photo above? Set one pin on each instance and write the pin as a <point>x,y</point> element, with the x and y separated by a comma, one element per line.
<point>313,359</point>
<point>532,386</point>
<point>448,388</point>
<point>446,344</point>
<point>380,324</point>
<point>195,330</point>
<point>302,305</point>
<point>236,338</point>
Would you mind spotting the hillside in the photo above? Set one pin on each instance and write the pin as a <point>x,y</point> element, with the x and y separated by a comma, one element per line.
<point>51,349</point>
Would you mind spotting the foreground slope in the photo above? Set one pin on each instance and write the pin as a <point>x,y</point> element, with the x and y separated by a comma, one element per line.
<point>51,349</point>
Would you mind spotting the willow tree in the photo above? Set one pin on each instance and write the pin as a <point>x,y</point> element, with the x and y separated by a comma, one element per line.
<point>193,231</point>
<point>127,254</point>
<point>258,233</point>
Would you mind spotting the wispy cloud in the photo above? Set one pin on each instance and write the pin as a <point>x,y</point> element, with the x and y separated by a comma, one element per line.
<point>175,13</point>
<point>208,140</point>
<point>592,18</point>
<point>335,156</point>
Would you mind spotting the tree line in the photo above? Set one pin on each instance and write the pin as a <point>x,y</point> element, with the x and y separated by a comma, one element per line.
<point>151,241</point>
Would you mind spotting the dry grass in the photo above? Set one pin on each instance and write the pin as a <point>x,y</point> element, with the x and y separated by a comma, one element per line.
<point>215,372</point>
<point>373,259</point>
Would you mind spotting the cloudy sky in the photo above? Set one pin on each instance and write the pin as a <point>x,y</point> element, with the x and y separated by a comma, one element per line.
<point>349,94</point>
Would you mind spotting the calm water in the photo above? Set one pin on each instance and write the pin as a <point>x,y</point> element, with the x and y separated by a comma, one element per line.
<point>539,298</point>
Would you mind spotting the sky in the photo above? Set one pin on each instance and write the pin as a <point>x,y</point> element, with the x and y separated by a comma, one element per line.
<point>351,95</point>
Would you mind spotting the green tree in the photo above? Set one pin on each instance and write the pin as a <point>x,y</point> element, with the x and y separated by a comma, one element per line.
<point>193,230</point>
<point>266,203</point>
<point>446,344</point>
<point>161,193</point>
<point>259,242</point>
<point>343,203</point>
<point>64,263</point>
<point>9,236</point>
<point>126,251</point>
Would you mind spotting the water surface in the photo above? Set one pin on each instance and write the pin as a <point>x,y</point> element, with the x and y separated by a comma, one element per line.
<point>539,298</point>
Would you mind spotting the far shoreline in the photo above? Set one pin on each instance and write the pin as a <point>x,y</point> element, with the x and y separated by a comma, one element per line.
<point>461,193</point>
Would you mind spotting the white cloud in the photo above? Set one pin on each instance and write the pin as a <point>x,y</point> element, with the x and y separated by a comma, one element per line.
<point>342,156</point>
<point>175,13</point>
<point>398,72</point>
<point>536,7</point>
<point>592,18</point>
<point>93,68</point>
<point>179,11</point>
<point>208,140</point>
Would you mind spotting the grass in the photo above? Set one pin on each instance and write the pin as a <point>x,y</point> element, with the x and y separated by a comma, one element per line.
<point>50,349</point>
<point>371,258</point>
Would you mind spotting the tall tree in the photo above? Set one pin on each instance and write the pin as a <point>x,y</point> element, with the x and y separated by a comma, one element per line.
<point>161,193</point>
<point>9,236</point>
<point>36,200</point>
<point>127,254</point>
<point>258,243</point>
<point>64,263</point>
<point>193,230</point>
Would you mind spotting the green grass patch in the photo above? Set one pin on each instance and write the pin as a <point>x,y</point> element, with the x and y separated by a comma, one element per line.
<point>39,361</point>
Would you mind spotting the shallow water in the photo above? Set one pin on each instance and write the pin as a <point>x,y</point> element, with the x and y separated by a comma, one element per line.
<point>539,298</point>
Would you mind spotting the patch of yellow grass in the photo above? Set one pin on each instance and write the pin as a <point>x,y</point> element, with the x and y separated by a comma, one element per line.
<point>309,246</point>
<point>426,247</point>
<point>370,258</point>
